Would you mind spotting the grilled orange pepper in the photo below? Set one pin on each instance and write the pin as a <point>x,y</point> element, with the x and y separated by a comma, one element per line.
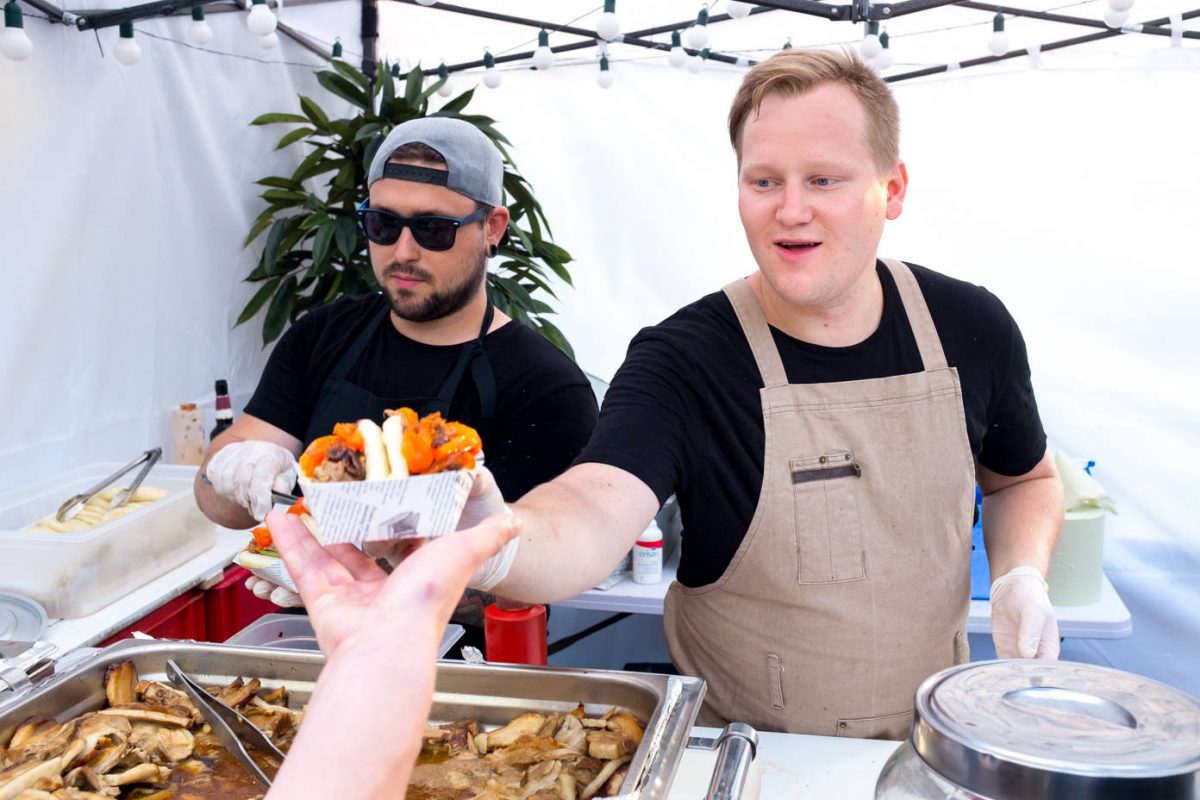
<point>262,537</point>
<point>315,454</point>
<point>298,508</point>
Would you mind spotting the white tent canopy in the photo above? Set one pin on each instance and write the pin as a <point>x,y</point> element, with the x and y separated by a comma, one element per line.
<point>1067,190</point>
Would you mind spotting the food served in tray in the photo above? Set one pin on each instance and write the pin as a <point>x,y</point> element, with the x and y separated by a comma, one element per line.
<point>405,445</point>
<point>151,743</point>
<point>260,552</point>
<point>96,512</point>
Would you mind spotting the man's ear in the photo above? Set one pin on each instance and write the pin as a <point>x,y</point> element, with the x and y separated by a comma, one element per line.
<point>897,186</point>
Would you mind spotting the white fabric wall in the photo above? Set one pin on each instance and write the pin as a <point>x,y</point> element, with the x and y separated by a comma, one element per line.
<point>1068,191</point>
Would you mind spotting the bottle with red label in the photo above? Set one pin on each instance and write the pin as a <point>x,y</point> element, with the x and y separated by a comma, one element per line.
<point>224,410</point>
<point>648,555</point>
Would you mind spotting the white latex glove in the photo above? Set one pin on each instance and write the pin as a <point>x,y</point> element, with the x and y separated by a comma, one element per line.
<point>486,501</point>
<point>247,473</point>
<point>1023,621</point>
<point>279,595</point>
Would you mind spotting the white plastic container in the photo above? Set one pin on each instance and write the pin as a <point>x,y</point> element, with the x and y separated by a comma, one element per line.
<point>648,556</point>
<point>75,574</point>
<point>1076,576</point>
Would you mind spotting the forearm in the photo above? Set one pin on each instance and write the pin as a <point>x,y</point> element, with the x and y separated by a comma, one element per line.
<point>576,528</point>
<point>362,730</point>
<point>1021,523</point>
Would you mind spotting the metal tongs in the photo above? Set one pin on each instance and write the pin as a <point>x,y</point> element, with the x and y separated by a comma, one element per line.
<point>73,506</point>
<point>231,729</point>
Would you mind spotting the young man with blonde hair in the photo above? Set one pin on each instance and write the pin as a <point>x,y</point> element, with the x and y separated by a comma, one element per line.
<point>824,423</point>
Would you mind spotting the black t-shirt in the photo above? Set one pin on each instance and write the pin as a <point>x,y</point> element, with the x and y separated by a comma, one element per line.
<point>684,413</point>
<point>545,407</point>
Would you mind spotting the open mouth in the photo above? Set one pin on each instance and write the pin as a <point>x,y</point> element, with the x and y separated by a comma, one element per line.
<point>796,246</point>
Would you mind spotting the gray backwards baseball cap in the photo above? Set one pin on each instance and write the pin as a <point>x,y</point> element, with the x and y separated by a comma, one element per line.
<point>474,167</point>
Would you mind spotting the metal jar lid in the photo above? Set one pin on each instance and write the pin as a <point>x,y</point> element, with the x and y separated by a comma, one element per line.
<point>1043,729</point>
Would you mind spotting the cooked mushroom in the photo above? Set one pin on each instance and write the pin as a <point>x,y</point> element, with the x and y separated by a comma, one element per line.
<point>601,778</point>
<point>160,744</point>
<point>572,735</point>
<point>94,731</point>
<point>26,775</point>
<point>120,682</point>
<point>43,741</point>
<point>625,724</point>
<point>142,773</point>
<point>159,694</point>
<point>608,744</point>
<point>541,777</point>
<point>528,750</point>
<point>135,712</point>
<point>239,692</point>
<point>616,779</point>
<point>524,725</point>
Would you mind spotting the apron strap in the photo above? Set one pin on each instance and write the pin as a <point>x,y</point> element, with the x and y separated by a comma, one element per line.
<point>758,332</point>
<point>473,357</point>
<point>928,342</point>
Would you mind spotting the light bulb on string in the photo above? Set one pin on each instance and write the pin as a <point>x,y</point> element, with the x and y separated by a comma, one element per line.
<point>260,20</point>
<point>395,72</point>
<point>696,62</point>
<point>127,50</point>
<point>737,9</point>
<point>1034,51</point>
<point>269,42</point>
<point>884,60</point>
<point>697,35</point>
<point>445,89</point>
<point>491,76</point>
<point>605,78</point>
<point>787,45</point>
<point>337,49</point>
<point>14,42</point>
<point>198,31</point>
<point>1114,18</point>
<point>870,47</point>
<point>677,56</point>
<point>608,26</point>
<point>1120,5</point>
<point>543,57</point>
<point>998,41</point>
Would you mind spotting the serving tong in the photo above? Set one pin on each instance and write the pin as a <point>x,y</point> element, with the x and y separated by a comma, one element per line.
<point>232,729</point>
<point>74,505</point>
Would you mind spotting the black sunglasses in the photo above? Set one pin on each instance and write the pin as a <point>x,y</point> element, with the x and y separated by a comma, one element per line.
<point>430,232</point>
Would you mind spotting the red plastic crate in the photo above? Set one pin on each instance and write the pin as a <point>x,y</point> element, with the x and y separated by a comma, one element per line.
<point>230,606</point>
<point>181,618</point>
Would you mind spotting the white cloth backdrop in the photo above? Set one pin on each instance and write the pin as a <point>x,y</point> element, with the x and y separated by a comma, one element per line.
<point>1069,191</point>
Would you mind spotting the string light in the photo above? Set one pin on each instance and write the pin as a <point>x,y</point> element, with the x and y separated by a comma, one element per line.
<point>198,31</point>
<point>1115,18</point>
<point>870,47</point>
<point>260,20</point>
<point>1120,5</point>
<point>127,50</point>
<point>269,42</point>
<point>787,45</point>
<point>697,35</point>
<point>337,53</point>
<point>605,78</point>
<point>998,41</point>
<point>609,26</point>
<point>696,62</point>
<point>1034,51</point>
<point>444,75</point>
<point>884,60</point>
<point>491,77</point>
<point>14,42</point>
<point>677,56</point>
<point>543,57</point>
<point>738,9</point>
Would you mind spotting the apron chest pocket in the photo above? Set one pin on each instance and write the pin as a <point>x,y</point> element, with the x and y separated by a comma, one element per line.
<point>828,531</point>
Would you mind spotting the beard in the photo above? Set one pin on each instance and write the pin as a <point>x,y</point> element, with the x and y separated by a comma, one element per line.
<point>439,303</point>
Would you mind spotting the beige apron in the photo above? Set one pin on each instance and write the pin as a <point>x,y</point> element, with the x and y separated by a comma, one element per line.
<point>852,583</point>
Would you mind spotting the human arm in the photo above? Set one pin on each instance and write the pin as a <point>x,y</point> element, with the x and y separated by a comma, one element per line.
<point>244,477</point>
<point>363,725</point>
<point>1022,517</point>
<point>574,529</point>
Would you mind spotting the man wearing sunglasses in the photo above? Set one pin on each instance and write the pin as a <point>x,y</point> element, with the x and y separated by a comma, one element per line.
<point>430,339</point>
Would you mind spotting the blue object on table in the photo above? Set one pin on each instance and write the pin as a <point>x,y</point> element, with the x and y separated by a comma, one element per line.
<point>981,580</point>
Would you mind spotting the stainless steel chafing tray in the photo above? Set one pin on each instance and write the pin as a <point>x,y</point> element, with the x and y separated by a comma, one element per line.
<point>491,694</point>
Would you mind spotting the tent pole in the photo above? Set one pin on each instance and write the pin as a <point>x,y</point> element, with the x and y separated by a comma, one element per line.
<point>370,36</point>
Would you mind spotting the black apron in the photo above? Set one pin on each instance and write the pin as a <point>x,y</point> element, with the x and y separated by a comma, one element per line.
<point>342,401</point>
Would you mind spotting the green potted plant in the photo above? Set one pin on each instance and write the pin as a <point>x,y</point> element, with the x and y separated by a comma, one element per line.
<point>314,250</point>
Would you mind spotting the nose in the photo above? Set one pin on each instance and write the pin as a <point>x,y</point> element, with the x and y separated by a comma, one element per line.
<point>795,206</point>
<point>406,248</point>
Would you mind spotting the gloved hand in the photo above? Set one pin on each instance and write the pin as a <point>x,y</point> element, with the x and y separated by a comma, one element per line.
<point>1023,621</point>
<point>279,595</point>
<point>486,501</point>
<point>247,473</point>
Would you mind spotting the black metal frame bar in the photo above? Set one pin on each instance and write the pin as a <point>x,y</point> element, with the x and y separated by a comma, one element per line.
<point>1147,27</point>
